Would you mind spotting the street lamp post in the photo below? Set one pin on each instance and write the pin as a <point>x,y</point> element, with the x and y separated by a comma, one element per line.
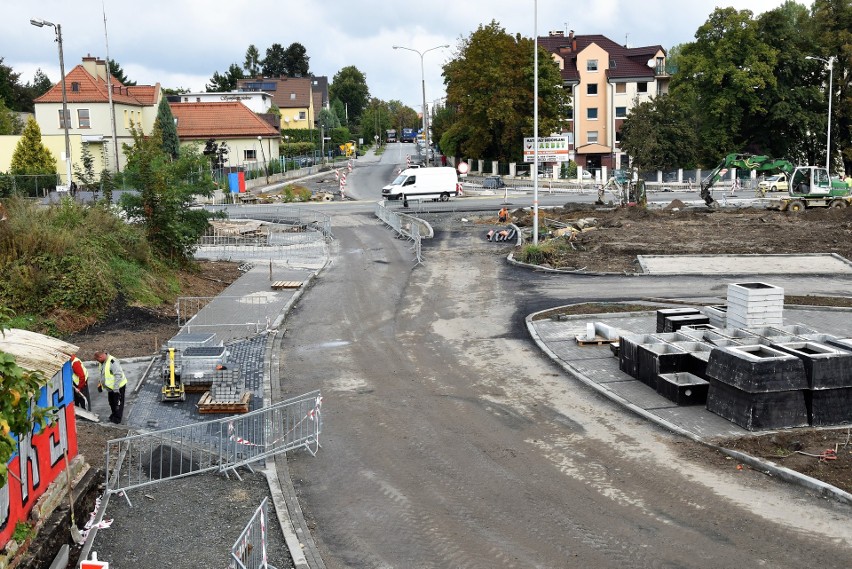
<point>263,154</point>
<point>423,82</point>
<point>830,63</point>
<point>65,117</point>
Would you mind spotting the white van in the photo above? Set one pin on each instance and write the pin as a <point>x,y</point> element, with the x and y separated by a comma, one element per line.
<point>424,183</point>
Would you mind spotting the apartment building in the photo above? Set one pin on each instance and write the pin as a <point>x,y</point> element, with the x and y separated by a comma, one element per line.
<point>606,80</point>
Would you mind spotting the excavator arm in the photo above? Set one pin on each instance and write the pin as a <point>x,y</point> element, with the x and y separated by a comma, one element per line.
<point>742,162</point>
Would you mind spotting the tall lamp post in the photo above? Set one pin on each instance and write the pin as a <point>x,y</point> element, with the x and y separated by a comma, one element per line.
<point>65,117</point>
<point>263,154</point>
<point>423,82</point>
<point>830,63</point>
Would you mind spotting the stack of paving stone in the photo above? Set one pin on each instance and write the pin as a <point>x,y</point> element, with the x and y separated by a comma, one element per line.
<point>754,304</point>
<point>228,387</point>
<point>199,364</point>
<point>829,374</point>
<point>757,387</point>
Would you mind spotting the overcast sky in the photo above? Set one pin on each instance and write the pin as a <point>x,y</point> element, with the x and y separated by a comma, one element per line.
<point>181,43</point>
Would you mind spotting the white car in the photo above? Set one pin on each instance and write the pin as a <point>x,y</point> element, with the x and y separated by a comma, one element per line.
<point>776,183</point>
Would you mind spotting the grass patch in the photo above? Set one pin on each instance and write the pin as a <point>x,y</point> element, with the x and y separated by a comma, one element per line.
<point>591,308</point>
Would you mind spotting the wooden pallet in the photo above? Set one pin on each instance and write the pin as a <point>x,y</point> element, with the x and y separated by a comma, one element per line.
<point>598,341</point>
<point>206,405</point>
<point>277,285</point>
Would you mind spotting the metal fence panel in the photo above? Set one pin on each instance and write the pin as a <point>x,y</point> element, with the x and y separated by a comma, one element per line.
<point>249,551</point>
<point>218,445</point>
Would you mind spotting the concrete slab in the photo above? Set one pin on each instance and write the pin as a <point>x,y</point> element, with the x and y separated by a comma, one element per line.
<point>744,264</point>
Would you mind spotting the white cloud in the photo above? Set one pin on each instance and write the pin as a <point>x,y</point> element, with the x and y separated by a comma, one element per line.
<point>181,43</point>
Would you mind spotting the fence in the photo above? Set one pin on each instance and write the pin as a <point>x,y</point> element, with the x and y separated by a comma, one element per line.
<point>220,445</point>
<point>28,185</point>
<point>249,551</point>
<point>289,215</point>
<point>407,226</point>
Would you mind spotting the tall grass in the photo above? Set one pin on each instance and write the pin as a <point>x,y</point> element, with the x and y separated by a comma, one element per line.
<point>70,260</point>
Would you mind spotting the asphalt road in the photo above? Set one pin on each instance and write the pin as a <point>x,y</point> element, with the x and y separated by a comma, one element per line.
<point>451,441</point>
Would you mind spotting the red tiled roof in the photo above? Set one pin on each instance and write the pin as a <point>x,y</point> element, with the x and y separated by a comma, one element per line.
<point>82,87</point>
<point>287,92</point>
<point>630,62</point>
<point>219,120</point>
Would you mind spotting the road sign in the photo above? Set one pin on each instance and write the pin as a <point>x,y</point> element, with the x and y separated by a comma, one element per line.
<point>550,149</point>
<point>463,168</point>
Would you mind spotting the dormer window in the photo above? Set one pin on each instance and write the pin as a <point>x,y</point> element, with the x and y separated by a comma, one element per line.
<point>75,87</point>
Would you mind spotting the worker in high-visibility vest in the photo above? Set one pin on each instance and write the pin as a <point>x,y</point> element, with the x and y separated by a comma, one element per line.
<point>80,378</point>
<point>114,381</point>
<point>503,215</point>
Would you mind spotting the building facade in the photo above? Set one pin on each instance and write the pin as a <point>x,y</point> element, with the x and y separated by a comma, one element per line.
<point>606,80</point>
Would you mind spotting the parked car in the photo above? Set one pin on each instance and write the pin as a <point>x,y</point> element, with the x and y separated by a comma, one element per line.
<point>776,183</point>
<point>306,161</point>
<point>493,183</point>
<point>587,175</point>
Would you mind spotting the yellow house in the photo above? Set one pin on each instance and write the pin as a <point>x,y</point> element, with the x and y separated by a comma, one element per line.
<point>89,120</point>
<point>292,95</point>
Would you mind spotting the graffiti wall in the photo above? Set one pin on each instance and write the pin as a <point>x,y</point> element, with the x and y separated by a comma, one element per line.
<point>40,458</point>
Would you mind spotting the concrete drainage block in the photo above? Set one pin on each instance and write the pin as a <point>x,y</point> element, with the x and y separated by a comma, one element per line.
<point>655,359</point>
<point>683,388</point>
<point>665,313</point>
<point>757,369</point>
<point>825,367</point>
<point>757,411</point>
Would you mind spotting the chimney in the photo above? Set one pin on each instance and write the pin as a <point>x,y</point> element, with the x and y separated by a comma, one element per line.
<point>101,66</point>
<point>90,65</point>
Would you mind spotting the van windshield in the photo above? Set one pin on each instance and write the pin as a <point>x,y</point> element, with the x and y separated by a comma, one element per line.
<point>399,180</point>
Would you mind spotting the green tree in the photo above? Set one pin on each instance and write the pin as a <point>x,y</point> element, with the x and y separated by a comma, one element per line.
<point>275,62</point>
<point>252,63</point>
<point>225,82</point>
<point>18,387</point>
<point>9,123</point>
<point>296,60</point>
<point>442,118</point>
<point>724,74</point>
<point>166,122</point>
<point>117,72</point>
<point>793,105</point>
<point>490,84</point>
<point>12,91</point>
<point>402,116</point>
<point>833,28</point>
<point>84,170</point>
<point>349,85</point>
<point>660,134</point>
<point>339,110</point>
<point>327,119</point>
<point>32,158</point>
<point>166,189</point>
<point>375,120</point>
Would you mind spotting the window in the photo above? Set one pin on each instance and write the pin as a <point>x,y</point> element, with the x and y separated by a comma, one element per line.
<point>83,118</point>
<point>661,66</point>
<point>620,112</point>
<point>642,87</point>
<point>592,65</point>
<point>75,87</point>
<point>612,64</point>
<point>591,136</point>
<point>303,115</point>
<point>250,154</point>
<point>66,117</point>
<point>126,120</point>
<point>621,88</point>
<point>592,113</point>
<point>618,137</point>
<point>292,96</point>
<point>186,99</point>
<point>198,99</point>
<point>592,89</point>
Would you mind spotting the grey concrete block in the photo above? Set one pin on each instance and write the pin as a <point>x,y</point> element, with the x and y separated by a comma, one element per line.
<point>757,369</point>
<point>683,388</point>
<point>828,407</point>
<point>825,367</point>
<point>757,411</point>
<point>675,323</point>
<point>655,359</point>
<point>664,313</point>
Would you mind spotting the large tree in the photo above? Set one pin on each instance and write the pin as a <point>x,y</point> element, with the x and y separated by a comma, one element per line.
<point>833,29</point>
<point>117,72</point>
<point>32,161</point>
<point>9,123</point>
<point>275,62</point>
<point>660,134</point>
<point>166,188</point>
<point>490,84</point>
<point>724,74</point>
<point>165,121</point>
<point>296,60</point>
<point>225,82</point>
<point>349,85</point>
<point>252,62</point>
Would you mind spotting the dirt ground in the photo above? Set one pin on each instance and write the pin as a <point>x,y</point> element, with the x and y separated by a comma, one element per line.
<point>619,234</point>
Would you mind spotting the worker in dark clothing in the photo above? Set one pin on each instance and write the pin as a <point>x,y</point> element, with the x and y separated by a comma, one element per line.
<point>80,378</point>
<point>112,379</point>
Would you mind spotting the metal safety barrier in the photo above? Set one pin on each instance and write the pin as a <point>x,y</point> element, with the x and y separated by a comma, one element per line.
<point>221,445</point>
<point>249,551</point>
<point>407,226</point>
